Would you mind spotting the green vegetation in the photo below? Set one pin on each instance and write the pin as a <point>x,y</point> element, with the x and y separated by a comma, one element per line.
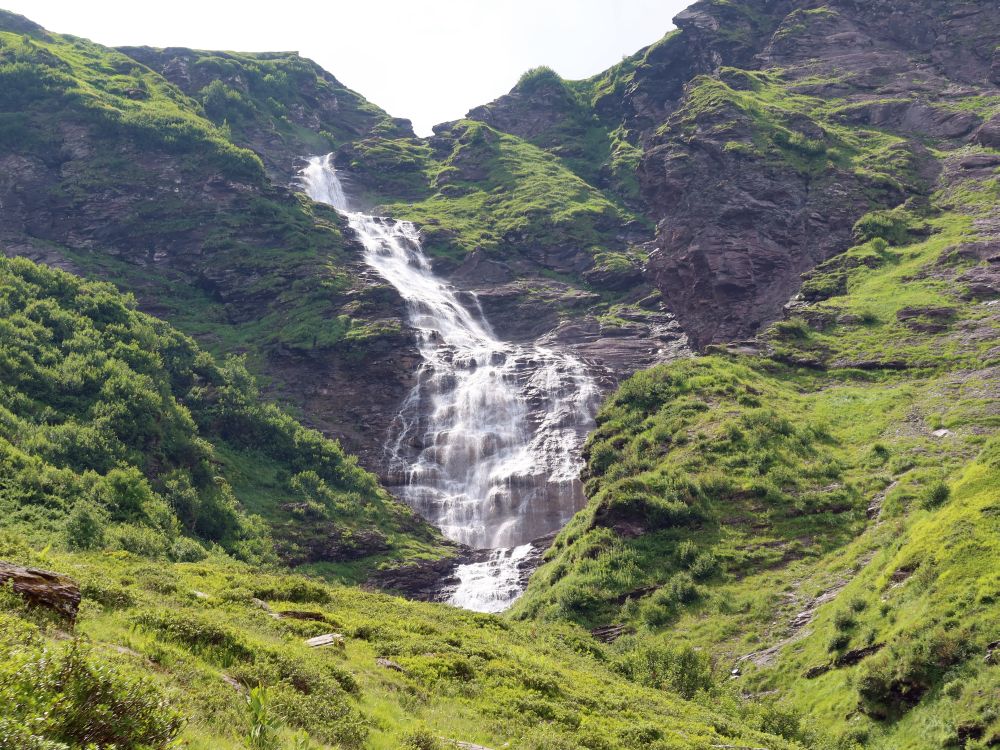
<point>49,80</point>
<point>117,432</point>
<point>264,98</point>
<point>820,516</point>
<point>498,193</point>
<point>209,650</point>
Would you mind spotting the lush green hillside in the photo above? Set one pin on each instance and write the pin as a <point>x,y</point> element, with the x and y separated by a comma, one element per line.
<point>802,523</point>
<point>112,171</point>
<point>161,643</point>
<point>281,105</point>
<point>117,432</point>
<point>789,503</point>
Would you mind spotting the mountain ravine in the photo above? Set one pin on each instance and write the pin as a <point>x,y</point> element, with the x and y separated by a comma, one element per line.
<point>657,409</point>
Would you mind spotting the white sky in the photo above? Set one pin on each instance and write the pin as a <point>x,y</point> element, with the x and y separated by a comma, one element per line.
<point>429,61</point>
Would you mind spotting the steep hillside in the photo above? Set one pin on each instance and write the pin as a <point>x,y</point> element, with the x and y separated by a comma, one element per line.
<point>118,432</point>
<point>813,506</point>
<point>170,495</point>
<point>280,105</point>
<point>110,170</point>
<point>757,133</point>
<point>173,649</point>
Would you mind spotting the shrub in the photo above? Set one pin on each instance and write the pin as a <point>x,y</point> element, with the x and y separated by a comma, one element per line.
<point>936,495</point>
<point>894,680</point>
<point>185,549</point>
<point>704,567</point>
<point>839,642</point>
<point>420,738</point>
<point>139,540</point>
<point>681,669</point>
<point>107,593</point>
<point>82,700</point>
<point>534,78</point>
<point>844,619</point>
<point>664,603</point>
<point>892,227</point>
<point>85,526</point>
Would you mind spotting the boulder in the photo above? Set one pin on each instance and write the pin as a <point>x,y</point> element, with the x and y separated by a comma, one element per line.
<point>43,588</point>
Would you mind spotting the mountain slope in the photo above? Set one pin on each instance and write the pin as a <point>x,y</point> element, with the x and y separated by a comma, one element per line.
<point>116,429</point>
<point>773,502</point>
<point>110,170</point>
<point>282,106</point>
<point>754,178</point>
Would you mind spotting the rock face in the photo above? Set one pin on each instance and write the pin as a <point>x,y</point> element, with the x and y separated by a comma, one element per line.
<point>43,588</point>
<point>737,228</point>
<point>747,198</point>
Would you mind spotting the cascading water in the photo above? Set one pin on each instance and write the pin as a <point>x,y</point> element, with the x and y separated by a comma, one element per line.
<point>488,442</point>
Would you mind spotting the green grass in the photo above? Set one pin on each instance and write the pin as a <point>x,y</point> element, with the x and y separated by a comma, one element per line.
<point>728,493</point>
<point>476,678</point>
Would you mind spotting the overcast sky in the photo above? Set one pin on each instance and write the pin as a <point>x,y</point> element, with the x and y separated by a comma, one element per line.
<point>430,61</point>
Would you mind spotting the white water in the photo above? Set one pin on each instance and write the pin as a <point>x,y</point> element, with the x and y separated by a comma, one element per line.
<point>487,445</point>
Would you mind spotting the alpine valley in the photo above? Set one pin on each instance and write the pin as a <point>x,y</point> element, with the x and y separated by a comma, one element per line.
<point>654,410</point>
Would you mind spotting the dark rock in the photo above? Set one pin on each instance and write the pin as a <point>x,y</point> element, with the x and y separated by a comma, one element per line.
<point>43,588</point>
<point>816,671</point>
<point>389,664</point>
<point>297,614</point>
<point>426,581</point>
<point>855,655</point>
<point>299,543</point>
<point>478,268</point>
<point>933,313</point>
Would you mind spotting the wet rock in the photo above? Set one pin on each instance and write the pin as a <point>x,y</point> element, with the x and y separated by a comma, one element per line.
<point>43,588</point>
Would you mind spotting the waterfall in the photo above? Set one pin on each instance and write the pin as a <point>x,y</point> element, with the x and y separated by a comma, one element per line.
<point>487,444</point>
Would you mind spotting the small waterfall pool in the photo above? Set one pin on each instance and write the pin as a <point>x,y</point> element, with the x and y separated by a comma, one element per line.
<point>488,441</point>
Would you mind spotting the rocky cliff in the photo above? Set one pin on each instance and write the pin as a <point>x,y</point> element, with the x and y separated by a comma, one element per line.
<point>758,133</point>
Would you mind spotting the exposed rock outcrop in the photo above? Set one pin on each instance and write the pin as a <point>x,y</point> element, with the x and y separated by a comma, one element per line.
<point>43,588</point>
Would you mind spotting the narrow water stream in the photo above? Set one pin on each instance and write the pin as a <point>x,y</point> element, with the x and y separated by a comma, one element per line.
<point>488,441</point>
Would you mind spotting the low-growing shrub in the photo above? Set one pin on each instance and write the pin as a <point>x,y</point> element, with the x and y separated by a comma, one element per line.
<point>185,549</point>
<point>80,700</point>
<point>935,496</point>
<point>85,526</point>
<point>139,540</point>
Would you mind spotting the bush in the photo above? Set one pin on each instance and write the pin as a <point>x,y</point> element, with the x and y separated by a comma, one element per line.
<point>705,566</point>
<point>85,526</point>
<point>936,495</point>
<point>661,607</point>
<point>681,669</point>
<point>890,226</point>
<point>844,619</point>
<point>420,738</point>
<point>82,700</point>
<point>185,549</point>
<point>139,540</point>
